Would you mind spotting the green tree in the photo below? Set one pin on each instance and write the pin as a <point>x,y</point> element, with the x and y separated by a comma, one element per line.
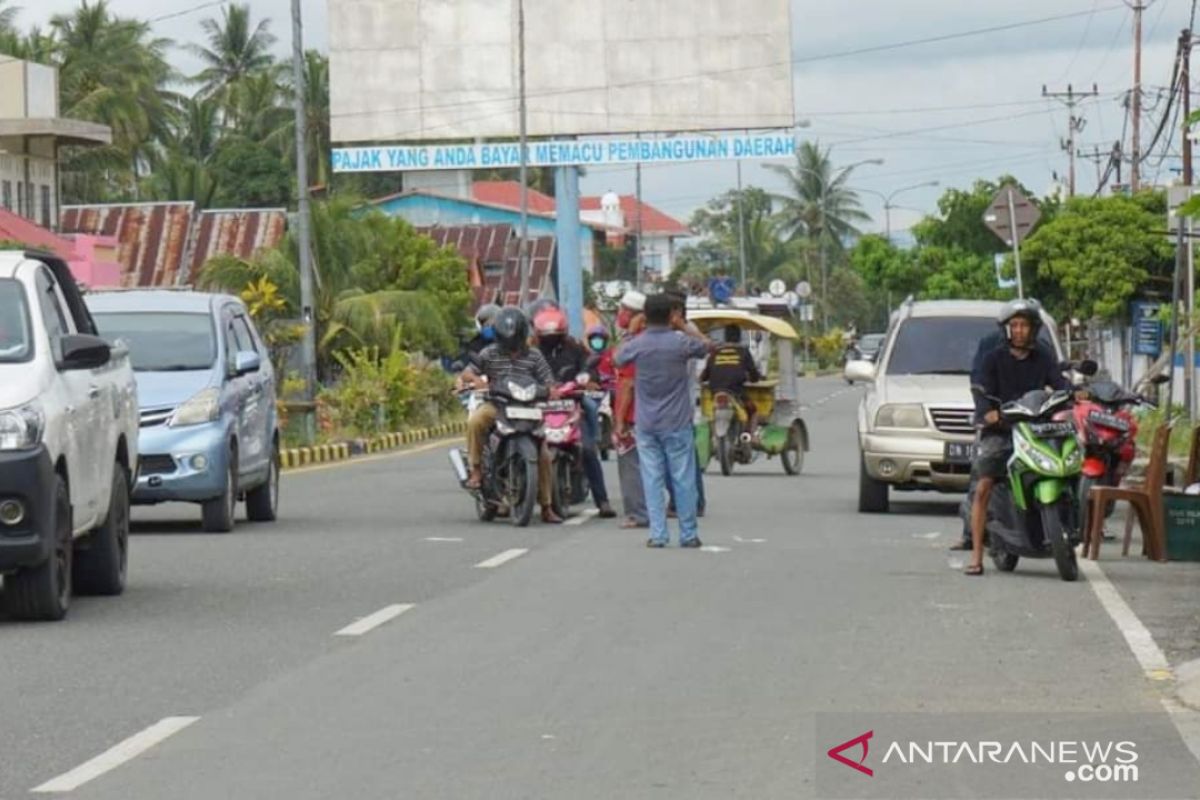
<point>1097,254</point>
<point>236,49</point>
<point>959,223</point>
<point>248,175</point>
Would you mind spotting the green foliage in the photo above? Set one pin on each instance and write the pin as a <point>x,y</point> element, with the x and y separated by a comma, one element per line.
<point>1097,254</point>
<point>829,349</point>
<point>249,176</point>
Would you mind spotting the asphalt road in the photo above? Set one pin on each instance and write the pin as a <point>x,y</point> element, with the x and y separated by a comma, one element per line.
<point>585,667</point>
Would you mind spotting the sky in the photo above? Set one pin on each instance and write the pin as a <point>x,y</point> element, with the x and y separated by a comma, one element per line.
<point>949,111</point>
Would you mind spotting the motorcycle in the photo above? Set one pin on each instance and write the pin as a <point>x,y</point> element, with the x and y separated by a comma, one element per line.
<point>733,441</point>
<point>510,455</point>
<point>1107,432</point>
<point>603,400</point>
<point>1036,513</point>
<point>563,427</point>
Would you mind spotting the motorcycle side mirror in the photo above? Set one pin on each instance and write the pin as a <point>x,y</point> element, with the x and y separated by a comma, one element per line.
<point>1088,367</point>
<point>1159,380</point>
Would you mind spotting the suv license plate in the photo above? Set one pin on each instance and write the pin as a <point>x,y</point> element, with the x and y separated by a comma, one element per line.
<point>960,452</point>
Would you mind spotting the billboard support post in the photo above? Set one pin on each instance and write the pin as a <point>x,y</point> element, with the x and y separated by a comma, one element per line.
<point>523,251</point>
<point>566,224</point>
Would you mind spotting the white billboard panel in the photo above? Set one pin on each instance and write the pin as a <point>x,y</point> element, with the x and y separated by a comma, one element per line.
<point>444,69</point>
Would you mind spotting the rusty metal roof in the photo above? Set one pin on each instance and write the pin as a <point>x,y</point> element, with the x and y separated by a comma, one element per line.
<point>240,233</point>
<point>491,253</point>
<point>151,237</point>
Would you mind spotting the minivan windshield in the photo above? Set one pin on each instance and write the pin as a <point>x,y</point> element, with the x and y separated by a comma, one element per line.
<point>942,345</point>
<point>16,339</point>
<point>160,341</point>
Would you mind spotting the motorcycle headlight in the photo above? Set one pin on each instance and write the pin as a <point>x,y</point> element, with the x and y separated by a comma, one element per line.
<point>21,428</point>
<point>901,415</point>
<point>1043,462</point>
<point>522,394</point>
<point>204,406</point>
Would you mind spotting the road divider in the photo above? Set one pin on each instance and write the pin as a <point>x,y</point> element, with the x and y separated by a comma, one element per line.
<point>297,457</point>
<point>373,621</point>
<point>115,756</point>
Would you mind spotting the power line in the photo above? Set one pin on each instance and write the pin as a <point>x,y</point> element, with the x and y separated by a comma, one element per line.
<point>187,11</point>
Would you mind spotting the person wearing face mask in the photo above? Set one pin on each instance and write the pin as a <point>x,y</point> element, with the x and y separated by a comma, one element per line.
<point>568,360</point>
<point>632,305</point>
<point>485,333</point>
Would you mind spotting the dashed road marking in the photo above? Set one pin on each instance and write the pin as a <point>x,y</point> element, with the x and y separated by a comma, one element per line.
<point>748,541</point>
<point>712,548</point>
<point>583,517</point>
<point>115,756</point>
<point>443,538</point>
<point>503,558</point>
<point>373,621</point>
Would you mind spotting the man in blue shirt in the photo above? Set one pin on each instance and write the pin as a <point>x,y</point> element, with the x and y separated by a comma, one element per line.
<point>663,409</point>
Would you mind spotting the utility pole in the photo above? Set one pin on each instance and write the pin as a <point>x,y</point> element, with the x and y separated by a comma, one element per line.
<point>637,281</point>
<point>1138,7</point>
<point>1097,157</point>
<point>1075,124</point>
<point>1185,46</point>
<point>308,343</point>
<point>523,244</point>
<point>1185,87</point>
<point>741,227</point>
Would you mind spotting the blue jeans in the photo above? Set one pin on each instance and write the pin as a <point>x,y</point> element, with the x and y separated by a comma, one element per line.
<point>663,454</point>
<point>591,456</point>
<point>700,499</point>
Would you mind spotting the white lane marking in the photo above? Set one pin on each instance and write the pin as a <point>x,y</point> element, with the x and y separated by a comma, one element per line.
<point>932,535</point>
<point>1154,663</point>
<point>748,541</point>
<point>503,558</point>
<point>372,621</point>
<point>1187,722</point>
<point>443,538</point>
<point>115,756</point>
<point>582,517</point>
<point>712,548</point>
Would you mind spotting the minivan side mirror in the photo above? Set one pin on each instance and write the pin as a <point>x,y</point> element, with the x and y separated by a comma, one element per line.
<point>858,370</point>
<point>84,351</point>
<point>246,362</point>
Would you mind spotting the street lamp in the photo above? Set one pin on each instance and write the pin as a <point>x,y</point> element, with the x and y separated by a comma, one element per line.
<point>887,201</point>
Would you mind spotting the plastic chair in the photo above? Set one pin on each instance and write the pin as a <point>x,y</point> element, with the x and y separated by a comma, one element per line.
<point>1146,500</point>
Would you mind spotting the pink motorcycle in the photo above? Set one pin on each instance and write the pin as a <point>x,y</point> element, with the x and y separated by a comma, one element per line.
<point>562,422</point>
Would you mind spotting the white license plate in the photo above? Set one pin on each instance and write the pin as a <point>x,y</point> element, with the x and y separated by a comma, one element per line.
<point>959,452</point>
<point>518,412</point>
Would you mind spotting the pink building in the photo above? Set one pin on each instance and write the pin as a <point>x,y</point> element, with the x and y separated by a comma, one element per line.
<point>92,259</point>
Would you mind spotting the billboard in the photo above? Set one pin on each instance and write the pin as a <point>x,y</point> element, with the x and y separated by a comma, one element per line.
<point>411,70</point>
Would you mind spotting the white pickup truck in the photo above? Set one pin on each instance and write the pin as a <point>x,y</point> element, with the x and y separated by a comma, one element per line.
<point>68,443</point>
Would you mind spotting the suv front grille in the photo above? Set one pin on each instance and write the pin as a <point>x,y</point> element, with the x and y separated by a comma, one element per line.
<point>953,420</point>
<point>157,465</point>
<point>155,416</point>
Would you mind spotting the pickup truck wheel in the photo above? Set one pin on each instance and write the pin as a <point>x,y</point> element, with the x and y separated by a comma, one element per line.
<point>872,494</point>
<point>101,563</point>
<point>218,513</point>
<point>44,592</point>
<point>262,503</point>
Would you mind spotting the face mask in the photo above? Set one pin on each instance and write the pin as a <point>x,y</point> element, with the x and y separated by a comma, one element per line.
<point>549,343</point>
<point>597,343</point>
<point>624,317</point>
<point>488,333</point>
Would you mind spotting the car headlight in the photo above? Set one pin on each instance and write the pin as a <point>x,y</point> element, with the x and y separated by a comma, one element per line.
<point>21,428</point>
<point>204,406</point>
<point>522,394</point>
<point>900,416</point>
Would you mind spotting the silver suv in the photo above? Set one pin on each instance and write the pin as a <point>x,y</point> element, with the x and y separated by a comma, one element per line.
<point>915,422</point>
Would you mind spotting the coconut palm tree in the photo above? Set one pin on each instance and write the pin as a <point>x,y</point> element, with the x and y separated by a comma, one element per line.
<point>236,50</point>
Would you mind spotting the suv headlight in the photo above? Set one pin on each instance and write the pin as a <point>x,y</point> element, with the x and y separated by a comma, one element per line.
<point>21,428</point>
<point>900,416</point>
<point>204,406</point>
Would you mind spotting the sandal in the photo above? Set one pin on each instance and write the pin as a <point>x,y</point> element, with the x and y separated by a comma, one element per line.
<point>974,570</point>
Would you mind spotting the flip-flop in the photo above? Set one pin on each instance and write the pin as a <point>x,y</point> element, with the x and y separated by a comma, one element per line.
<point>974,570</point>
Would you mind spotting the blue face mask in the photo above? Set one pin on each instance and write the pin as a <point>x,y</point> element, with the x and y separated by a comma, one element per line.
<point>488,333</point>
<point>598,344</point>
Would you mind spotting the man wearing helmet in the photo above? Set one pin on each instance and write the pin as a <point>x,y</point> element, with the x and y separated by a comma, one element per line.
<point>485,333</point>
<point>1006,373</point>
<point>568,360</point>
<point>508,358</point>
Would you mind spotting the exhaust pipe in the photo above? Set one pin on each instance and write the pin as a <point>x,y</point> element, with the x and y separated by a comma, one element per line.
<point>460,465</point>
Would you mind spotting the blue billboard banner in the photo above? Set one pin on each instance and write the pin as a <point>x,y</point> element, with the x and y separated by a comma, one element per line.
<point>1147,329</point>
<point>580,152</point>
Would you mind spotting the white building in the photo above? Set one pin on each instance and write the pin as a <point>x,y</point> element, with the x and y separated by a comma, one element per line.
<point>31,137</point>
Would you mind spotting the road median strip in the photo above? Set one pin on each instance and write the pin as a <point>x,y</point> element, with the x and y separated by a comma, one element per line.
<point>297,457</point>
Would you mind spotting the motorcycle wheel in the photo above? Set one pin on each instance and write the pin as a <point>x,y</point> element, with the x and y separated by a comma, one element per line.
<point>1056,534</point>
<point>522,490</point>
<point>725,454</point>
<point>1005,562</point>
<point>1085,508</point>
<point>562,486</point>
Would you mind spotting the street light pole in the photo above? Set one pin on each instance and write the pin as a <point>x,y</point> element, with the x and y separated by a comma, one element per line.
<point>308,316</point>
<point>523,245</point>
<point>741,227</point>
<point>888,205</point>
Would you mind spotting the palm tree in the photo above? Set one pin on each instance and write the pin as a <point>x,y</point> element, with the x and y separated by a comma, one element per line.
<point>236,50</point>
<point>819,204</point>
<point>8,18</point>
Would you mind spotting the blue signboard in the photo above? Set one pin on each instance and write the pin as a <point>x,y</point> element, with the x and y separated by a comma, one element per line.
<point>595,152</point>
<point>1147,329</point>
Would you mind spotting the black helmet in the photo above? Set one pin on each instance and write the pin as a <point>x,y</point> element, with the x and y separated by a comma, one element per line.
<point>512,329</point>
<point>1030,309</point>
<point>486,314</point>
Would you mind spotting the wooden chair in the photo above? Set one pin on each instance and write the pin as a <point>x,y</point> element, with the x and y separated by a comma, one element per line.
<point>1146,500</point>
<point>1193,466</point>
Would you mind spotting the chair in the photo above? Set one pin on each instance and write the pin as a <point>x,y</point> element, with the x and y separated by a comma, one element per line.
<point>1193,466</point>
<point>1146,500</point>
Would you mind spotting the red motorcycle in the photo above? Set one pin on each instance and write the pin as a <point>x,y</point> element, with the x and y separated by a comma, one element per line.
<point>1107,432</point>
<point>563,425</point>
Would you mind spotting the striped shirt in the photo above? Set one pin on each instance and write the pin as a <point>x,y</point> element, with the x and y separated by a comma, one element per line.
<point>500,367</point>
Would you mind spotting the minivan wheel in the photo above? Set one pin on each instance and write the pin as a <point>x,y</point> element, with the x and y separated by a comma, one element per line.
<point>218,513</point>
<point>262,502</point>
<point>872,494</point>
<point>44,592</point>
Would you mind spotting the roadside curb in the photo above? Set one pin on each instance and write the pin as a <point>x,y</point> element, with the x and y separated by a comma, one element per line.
<point>295,457</point>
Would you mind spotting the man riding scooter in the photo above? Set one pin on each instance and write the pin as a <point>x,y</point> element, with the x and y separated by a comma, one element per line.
<point>728,370</point>
<point>1008,372</point>
<point>508,359</point>
<point>567,359</point>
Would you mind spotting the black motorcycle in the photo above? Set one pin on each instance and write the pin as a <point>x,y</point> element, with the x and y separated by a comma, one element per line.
<point>510,456</point>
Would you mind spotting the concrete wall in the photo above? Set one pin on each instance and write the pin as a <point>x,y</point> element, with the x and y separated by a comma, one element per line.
<point>15,192</point>
<point>444,69</point>
<point>27,90</point>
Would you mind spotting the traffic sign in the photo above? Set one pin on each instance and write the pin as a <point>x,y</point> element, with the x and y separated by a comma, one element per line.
<point>1147,329</point>
<point>1011,210</point>
<point>804,289</point>
<point>777,288</point>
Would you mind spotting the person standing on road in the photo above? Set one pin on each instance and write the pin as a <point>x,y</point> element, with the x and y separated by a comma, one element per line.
<point>662,354</point>
<point>695,369</point>
<point>1005,375</point>
<point>630,319</point>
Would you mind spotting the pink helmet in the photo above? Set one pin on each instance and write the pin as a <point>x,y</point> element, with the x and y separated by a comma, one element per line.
<point>550,322</point>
